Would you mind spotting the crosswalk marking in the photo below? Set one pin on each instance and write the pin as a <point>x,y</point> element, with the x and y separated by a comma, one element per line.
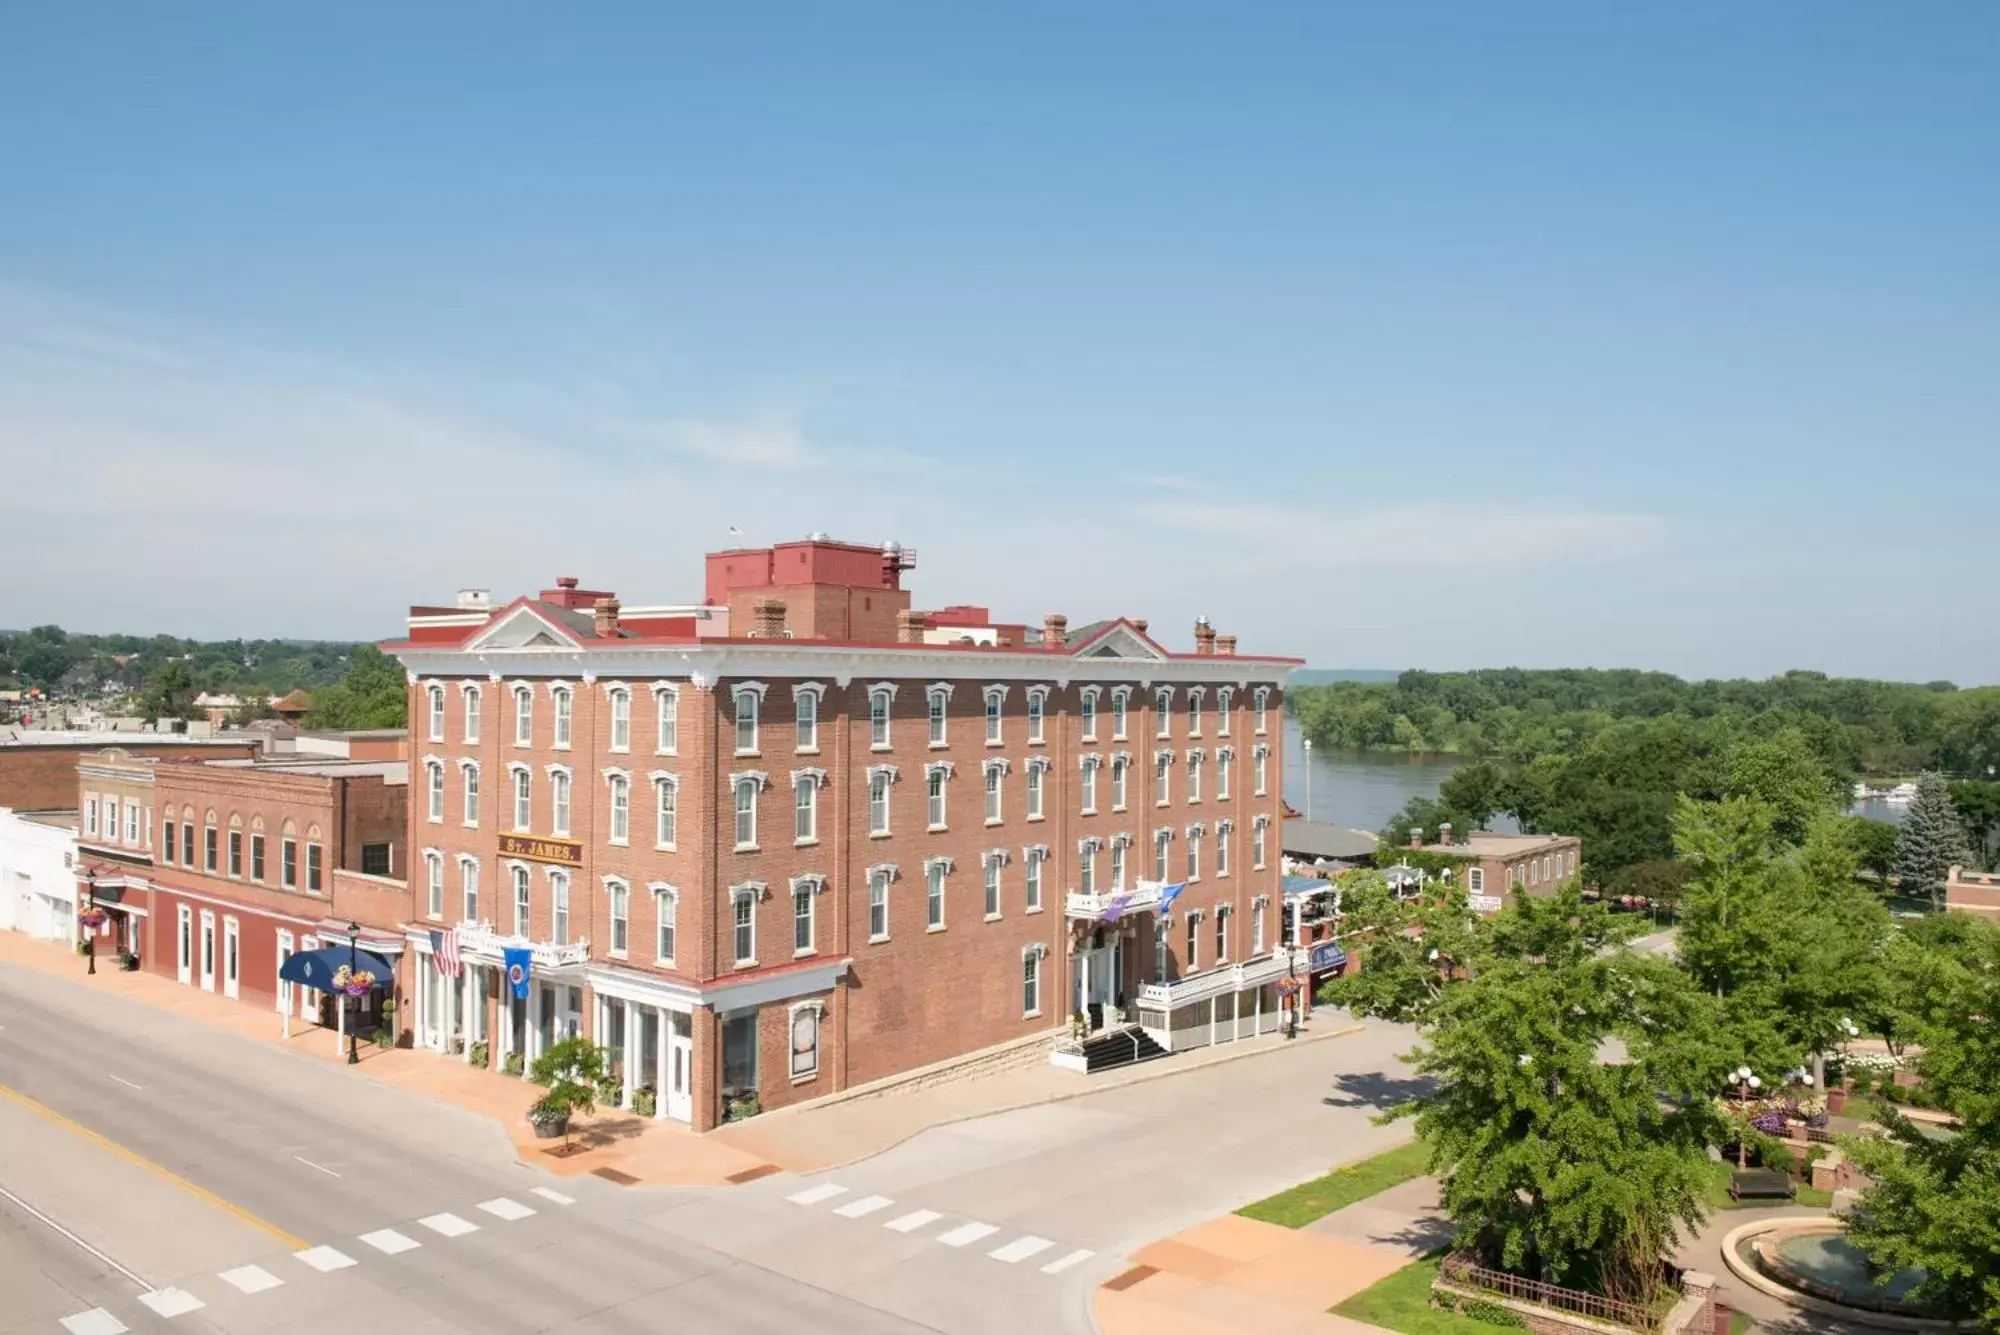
<point>1020,1249</point>
<point>388,1240</point>
<point>554,1196</point>
<point>916,1219</point>
<point>170,1303</point>
<point>96,1321</point>
<point>1077,1257</point>
<point>825,1191</point>
<point>450,1225</point>
<point>966,1234</point>
<point>325,1259</point>
<point>866,1205</point>
<point>250,1278</point>
<point>501,1207</point>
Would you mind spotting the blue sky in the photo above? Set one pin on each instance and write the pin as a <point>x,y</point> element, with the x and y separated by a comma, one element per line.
<point>1440,335</point>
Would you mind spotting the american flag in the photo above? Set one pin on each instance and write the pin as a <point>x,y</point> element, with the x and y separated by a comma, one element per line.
<point>444,949</point>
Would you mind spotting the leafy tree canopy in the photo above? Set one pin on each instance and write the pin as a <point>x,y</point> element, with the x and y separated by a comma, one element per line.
<point>373,694</point>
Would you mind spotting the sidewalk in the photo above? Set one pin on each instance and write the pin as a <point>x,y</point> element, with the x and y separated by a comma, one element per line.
<point>1234,1275</point>
<point>634,1150</point>
<point>637,1149</point>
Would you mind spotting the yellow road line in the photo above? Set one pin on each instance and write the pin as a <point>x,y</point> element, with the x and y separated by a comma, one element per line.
<point>202,1194</point>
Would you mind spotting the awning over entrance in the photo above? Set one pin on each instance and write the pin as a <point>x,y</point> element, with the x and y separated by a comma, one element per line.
<point>316,968</point>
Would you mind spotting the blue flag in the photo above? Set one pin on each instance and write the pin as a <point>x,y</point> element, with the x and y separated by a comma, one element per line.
<point>1168,894</point>
<point>516,960</point>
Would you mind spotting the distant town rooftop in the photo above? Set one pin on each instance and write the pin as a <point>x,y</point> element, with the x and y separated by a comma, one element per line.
<point>1483,842</point>
<point>15,736</point>
<point>389,771</point>
<point>1317,839</point>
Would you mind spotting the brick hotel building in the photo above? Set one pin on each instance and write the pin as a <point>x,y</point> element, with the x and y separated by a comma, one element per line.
<point>799,837</point>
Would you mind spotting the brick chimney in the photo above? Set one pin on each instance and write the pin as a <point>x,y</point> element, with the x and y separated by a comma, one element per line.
<point>1416,838</point>
<point>910,627</point>
<point>1204,637</point>
<point>605,618</point>
<point>565,581</point>
<point>1225,646</point>
<point>1055,630</point>
<point>770,619</point>
<point>1139,624</point>
<point>1444,833</point>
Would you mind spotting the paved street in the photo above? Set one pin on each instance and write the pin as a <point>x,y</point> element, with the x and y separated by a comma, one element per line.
<point>252,1189</point>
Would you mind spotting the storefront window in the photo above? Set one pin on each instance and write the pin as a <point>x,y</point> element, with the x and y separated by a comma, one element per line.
<point>739,1053</point>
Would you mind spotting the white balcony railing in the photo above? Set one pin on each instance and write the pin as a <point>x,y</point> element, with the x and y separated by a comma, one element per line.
<point>479,939</point>
<point>1141,898</point>
<point>1234,978</point>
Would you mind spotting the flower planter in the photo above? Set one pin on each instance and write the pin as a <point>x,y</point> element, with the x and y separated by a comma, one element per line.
<point>550,1128</point>
<point>128,963</point>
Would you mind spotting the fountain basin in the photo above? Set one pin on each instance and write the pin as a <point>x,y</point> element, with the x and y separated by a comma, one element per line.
<point>1808,1262</point>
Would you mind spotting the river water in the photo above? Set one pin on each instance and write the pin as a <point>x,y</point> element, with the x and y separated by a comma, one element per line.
<point>1360,789</point>
<point>1363,789</point>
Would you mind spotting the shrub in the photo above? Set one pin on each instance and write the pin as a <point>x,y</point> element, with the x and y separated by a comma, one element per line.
<point>1493,1314</point>
<point>645,1103</point>
<point>512,1063</point>
<point>1893,1092</point>
<point>1921,1097</point>
<point>1861,1080</point>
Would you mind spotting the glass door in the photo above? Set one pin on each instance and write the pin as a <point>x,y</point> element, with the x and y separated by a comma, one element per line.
<point>680,1067</point>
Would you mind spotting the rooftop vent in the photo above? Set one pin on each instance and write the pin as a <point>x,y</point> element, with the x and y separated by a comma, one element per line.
<point>476,600</point>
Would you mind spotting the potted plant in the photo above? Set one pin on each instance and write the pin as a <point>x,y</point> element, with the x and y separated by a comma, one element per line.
<point>512,1064</point>
<point>479,1053</point>
<point>128,962</point>
<point>571,1071</point>
<point>645,1102</point>
<point>742,1107</point>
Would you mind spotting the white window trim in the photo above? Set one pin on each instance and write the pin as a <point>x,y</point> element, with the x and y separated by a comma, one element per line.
<point>932,770</point>
<point>889,873</point>
<point>1087,712</point>
<point>613,776</point>
<point>887,691</point>
<point>659,779</point>
<point>754,891</point>
<point>664,691</point>
<point>524,709</point>
<point>816,884</point>
<point>818,1008</point>
<point>434,711</point>
<point>757,689</point>
<point>1035,954</point>
<point>467,816</point>
<point>1038,728</point>
<point>1225,699</point>
<point>816,690</point>
<point>817,777</point>
<point>433,877</point>
<point>565,691</point>
<point>936,691</point>
<point>613,693</point>
<point>1121,712</point>
<point>1261,699</point>
<point>613,884</point>
<point>472,699</point>
<point>467,863</point>
<point>995,735</point>
<point>943,866</point>
<point>1036,856</point>
<point>433,790</point>
<point>760,781</point>
<point>666,893</point>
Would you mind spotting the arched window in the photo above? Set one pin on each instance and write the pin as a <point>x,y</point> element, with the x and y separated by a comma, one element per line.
<point>746,812</point>
<point>434,790</point>
<point>666,918</point>
<point>878,800</point>
<point>935,872</point>
<point>524,714</point>
<point>1087,714</point>
<point>805,808</point>
<point>805,716</point>
<point>564,700</point>
<point>288,856</point>
<point>468,881</point>
<point>433,883</point>
<point>666,818</point>
<point>1223,696</point>
<point>996,709</point>
<point>472,698</point>
<point>667,699</point>
<point>1119,767</point>
<point>934,781</point>
<point>524,909</point>
<point>619,897</point>
<point>1038,705</point>
<point>880,699</point>
<point>434,693</point>
<point>747,700</point>
<point>559,906</point>
<point>938,699</point>
<point>524,797</point>
<point>620,698</point>
<point>559,791</point>
<point>1263,702</point>
<point>469,777</point>
<point>1121,705</point>
<point>621,808</point>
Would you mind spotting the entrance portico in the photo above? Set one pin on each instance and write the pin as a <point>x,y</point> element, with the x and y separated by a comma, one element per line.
<point>647,1026</point>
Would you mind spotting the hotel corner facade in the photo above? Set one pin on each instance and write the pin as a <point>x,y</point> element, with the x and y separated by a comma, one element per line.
<point>799,837</point>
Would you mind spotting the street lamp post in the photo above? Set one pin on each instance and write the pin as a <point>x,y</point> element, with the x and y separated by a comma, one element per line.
<point>90,927</point>
<point>354,1018</point>
<point>1746,1081</point>
<point>1309,777</point>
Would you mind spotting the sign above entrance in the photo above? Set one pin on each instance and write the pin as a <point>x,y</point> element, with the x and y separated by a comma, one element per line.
<point>566,852</point>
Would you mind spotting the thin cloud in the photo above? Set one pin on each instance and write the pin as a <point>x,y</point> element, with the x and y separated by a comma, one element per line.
<point>1410,537</point>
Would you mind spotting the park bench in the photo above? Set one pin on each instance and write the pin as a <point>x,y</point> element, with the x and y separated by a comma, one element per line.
<point>1761,1184</point>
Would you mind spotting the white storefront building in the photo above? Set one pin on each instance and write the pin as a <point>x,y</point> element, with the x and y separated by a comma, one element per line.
<point>38,873</point>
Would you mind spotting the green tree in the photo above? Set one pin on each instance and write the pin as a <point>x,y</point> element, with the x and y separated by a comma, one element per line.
<point>1935,1203</point>
<point>1783,772</point>
<point>1555,1162</point>
<point>373,694</point>
<point>1931,841</point>
<point>170,693</point>
<point>1875,846</point>
<point>1978,804</point>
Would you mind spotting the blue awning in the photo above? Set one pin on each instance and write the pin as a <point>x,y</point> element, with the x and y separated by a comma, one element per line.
<point>315,968</point>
